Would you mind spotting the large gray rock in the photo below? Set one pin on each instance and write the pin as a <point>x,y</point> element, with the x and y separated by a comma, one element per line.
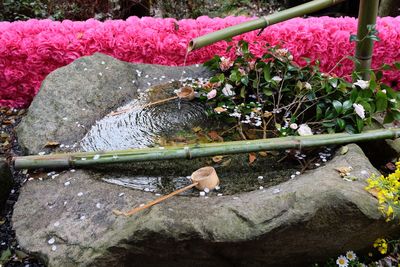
<point>310,218</point>
<point>74,97</point>
<point>313,217</point>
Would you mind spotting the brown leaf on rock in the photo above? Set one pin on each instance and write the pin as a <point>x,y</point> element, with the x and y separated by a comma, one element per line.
<point>52,144</point>
<point>374,192</point>
<point>252,158</point>
<point>344,171</point>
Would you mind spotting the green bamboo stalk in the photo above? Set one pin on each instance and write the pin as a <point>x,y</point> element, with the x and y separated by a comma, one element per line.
<point>84,159</point>
<point>262,22</point>
<point>368,12</point>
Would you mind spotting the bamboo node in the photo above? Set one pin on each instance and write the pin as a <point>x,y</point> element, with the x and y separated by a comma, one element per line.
<point>188,154</point>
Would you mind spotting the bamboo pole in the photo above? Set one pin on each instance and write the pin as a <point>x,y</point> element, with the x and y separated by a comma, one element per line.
<point>368,12</point>
<point>85,159</point>
<point>262,22</point>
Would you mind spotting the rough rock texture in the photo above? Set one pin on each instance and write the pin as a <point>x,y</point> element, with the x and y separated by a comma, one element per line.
<point>315,216</point>
<point>310,218</point>
<point>6,181</point>
<point>83,92</point>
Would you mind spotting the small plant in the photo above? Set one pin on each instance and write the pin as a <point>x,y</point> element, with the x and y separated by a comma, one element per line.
<point>387,191</point>
<point>274,96</point>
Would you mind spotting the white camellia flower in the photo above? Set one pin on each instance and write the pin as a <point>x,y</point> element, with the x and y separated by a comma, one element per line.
<point>211,94</point>
<point>304,129</point>
<point>227,90</point>
<point>359,109</point>
<point>294,126</point>
<point>277,79</point>
<point>362,84</point>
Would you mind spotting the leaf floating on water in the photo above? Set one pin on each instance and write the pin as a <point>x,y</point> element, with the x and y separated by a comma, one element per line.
<point>197,129</point>
<point>217,159</point>
<point>52,144</point>
<point>252,158</point>
<point>344,150</point>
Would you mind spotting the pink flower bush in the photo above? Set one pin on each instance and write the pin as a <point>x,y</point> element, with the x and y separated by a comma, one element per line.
<point>30,50</point>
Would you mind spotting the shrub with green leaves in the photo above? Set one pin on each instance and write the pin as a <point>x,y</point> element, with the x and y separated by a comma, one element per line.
<point>277,97</point>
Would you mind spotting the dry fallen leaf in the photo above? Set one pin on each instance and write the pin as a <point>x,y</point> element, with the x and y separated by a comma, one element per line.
<point>217,159</point>
<point>51,144</point>
<point>344,150</point>
<point>252,157</point>
<point>344,171</point>
<point>374,192</point>
<point>263,153</point>
<point>215,136</point>
<point>226,163</point>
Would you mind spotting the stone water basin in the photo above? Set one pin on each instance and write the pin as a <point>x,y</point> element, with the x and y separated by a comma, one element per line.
<point>315,216</point>
<point>136,125</point>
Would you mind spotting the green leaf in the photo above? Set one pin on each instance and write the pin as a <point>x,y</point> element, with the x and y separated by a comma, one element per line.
<point>397,65</point>
<point>338,106</point>
<point>349,128</point>
<point>245,80</point>
<point>319,113</point>
<point>360,125</point>
<point>386,67</point>
<point>243,92</point>
<point>267,72</point>
<point>347,105</point>
<point>5,256</point>
<point>388,118</point>
<point>234,77</point>
<point>267,91</point>
<point>221,77</point>
<point>341,124</point>
<point>375,38</point>
<point>381,101</point>
<point>353,38</point>
<point>329,124</point>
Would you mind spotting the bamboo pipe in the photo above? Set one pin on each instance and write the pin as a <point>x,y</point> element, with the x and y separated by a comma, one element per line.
<point>84,159</point>
<point>262,22</point>
<point>368,12</point>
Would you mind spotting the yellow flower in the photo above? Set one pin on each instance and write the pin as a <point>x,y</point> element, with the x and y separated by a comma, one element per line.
<point>389,211</point>
<point>382,245</point>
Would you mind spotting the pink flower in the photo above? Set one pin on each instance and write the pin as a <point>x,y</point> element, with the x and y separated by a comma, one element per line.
<point>225,64</point>
<point>30,50</point>
<point>212,94</point>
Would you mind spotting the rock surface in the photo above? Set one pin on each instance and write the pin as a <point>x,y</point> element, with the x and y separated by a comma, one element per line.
<point>6,181</point>
<point>304,220</point>
<point>74,97</point>
<point>67,221</point>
